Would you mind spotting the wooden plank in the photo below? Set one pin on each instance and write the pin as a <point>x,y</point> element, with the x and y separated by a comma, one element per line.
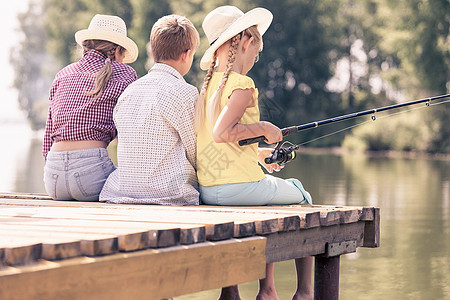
<point>365,212</point>
<point>34,196</point>
<point>26,249</point>
<point>215,229</point>
<point>147,274</point>
<point>286,220</point>
<point>128,239</point>
<point>285,223</point>
<point>336,249</point>
<point>372,230</point>
<point>296,244</point>
<point>329,215</point>
<point>166,234</point>
<point>368,214</point>
<point>245,225</point>
<point>162,237</point>
<point>22,253</point>
<point>113,227</point>
<point>61,245</point>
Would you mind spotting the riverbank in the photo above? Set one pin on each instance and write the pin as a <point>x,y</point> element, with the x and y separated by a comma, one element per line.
<point>388,154</point>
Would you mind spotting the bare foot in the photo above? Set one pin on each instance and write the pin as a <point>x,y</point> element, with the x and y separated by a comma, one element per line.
<point>230,293</point>
<point>267,294</point>
<point>303,296</point>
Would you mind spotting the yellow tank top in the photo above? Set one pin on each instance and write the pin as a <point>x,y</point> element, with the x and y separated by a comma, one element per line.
<point>224,163</point>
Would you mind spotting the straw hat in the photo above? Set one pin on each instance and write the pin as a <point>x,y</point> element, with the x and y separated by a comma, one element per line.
<point>225,22</point>
<point>112,29</point>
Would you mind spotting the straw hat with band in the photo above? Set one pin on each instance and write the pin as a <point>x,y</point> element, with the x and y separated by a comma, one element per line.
<point>111,29</point>
<point>225,22</point>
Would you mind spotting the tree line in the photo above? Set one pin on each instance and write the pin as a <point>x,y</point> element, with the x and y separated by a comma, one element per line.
<point>320,59</point>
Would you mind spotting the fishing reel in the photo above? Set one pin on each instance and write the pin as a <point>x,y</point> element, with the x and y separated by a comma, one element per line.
<point>281,155</point>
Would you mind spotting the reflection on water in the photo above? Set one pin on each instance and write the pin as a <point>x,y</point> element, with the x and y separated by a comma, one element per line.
<point>413,194</point>
<point>21,161</point>
<point>413,261</point>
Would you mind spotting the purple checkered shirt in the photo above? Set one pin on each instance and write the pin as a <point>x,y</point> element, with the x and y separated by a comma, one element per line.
<point>74,116</point>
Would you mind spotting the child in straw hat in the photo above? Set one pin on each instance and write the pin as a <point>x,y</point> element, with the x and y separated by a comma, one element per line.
<point>227,112</point>
<point>80,117</point>
<point>155,122</point>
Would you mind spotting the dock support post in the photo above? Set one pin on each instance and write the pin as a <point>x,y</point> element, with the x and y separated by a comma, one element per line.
<point>326,278</point>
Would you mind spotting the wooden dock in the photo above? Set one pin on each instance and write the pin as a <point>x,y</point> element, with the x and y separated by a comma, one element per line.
<point>82,250</point>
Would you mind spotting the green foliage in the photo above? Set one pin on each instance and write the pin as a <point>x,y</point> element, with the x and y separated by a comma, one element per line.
<point>33,66</point>
<point>406,132</point>
<point>378,51</point>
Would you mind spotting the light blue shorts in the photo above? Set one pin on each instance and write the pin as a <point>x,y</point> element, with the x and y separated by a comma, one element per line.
<point>77,175</point>
<point>269,191</point>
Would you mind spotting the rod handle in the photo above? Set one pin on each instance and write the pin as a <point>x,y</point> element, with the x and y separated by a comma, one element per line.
<point>252,140</point>
<point>285,131</point>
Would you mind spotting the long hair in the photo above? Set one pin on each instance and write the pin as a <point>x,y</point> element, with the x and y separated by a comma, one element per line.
<point>104,74</point>
<point>214,102</point>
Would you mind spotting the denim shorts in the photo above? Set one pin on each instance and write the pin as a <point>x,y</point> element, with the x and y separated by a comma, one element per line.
<point>78,174</point>
<point>268,191</point>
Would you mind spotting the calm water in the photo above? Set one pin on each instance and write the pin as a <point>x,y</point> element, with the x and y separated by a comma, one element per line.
<point>413,261</point>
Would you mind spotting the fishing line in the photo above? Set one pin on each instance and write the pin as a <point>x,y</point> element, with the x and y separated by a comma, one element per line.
<point>282,155</point>
<point>371,120</point>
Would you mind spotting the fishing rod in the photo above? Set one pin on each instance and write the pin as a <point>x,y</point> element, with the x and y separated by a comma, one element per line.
<point>284,155</point>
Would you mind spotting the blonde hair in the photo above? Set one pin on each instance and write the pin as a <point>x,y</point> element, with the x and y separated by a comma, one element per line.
<point>104,74</point>
<point>214,107</point>
<point>171,36</point>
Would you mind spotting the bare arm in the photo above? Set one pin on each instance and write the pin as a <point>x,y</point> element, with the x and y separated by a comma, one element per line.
<point>227,128</point>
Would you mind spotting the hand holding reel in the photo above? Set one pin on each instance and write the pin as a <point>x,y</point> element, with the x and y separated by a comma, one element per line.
<point>281,155</point>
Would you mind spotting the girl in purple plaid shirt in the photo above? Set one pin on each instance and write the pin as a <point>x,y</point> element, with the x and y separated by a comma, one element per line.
<point>80,117</point>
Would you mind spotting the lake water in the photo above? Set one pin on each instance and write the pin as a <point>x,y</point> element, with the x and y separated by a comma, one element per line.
<point>413,194</point>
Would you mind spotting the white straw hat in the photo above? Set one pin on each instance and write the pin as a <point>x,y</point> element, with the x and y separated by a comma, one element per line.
<point>225,22</point>
<point>112,29</point>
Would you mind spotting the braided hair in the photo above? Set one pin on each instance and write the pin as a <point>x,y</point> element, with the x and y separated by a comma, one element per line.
<point>214,101</point>
<point>104,74</point>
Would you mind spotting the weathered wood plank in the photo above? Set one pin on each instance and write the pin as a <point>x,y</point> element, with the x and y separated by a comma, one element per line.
<point>27,200</point>
<point>148,274</point>
<point>34,196</point>
<point>326,278</point>
<point>329,215</point>
<point>372,230</point>
<point>128,239</point>
<point>289,219</point>
<point>26,249</point>
<point>61,245</point>
<point>286,222</point>
<point>245,225</point>
<point>20,253</point>
<point>296,244</point>
<point>167,234</point>
<point>215,229</point>
<point>368,213</point>
<point>189,234</point>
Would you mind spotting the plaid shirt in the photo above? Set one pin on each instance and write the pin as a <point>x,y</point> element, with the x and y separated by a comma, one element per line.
<point>74,116</point>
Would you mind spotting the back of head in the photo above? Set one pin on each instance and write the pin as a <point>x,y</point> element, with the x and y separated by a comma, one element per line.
<point>105,47</point>
<point>171,36</point>
<point>104,74</point>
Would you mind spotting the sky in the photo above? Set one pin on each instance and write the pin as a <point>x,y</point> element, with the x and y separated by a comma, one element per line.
<point>9,108</point>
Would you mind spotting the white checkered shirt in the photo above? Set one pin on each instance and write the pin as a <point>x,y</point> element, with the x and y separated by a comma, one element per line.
<point>156,150</point>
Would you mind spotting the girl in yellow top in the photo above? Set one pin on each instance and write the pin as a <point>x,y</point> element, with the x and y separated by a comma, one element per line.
<point>227,111</point>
